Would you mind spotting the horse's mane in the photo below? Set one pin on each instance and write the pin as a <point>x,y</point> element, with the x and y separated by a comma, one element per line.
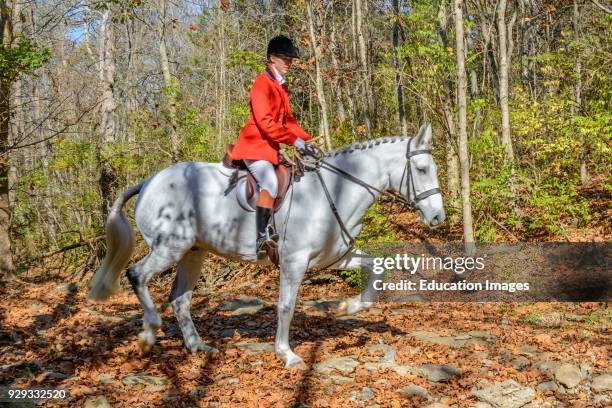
<point>358,146</point>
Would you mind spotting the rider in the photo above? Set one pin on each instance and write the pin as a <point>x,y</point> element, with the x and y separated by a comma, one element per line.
<point>269,124</point>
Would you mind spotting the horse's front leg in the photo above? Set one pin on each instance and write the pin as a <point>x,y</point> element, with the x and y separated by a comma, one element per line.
<point>355,260</point>
<point>291,274</point>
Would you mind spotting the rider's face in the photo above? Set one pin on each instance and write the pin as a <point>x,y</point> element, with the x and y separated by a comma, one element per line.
<point>281,63</point>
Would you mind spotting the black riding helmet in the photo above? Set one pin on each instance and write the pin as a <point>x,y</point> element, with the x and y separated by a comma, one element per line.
<point>283,46</point>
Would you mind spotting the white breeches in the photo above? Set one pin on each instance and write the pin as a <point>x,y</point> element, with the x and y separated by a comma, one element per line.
<point>263,172</point>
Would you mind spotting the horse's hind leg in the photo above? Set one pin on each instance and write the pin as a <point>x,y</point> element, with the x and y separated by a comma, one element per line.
<point>356,260</point>
<point>157,260</point>
<point>188,272</point>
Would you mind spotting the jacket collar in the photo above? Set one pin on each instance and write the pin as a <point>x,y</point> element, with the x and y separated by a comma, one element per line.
<point>274,75</point>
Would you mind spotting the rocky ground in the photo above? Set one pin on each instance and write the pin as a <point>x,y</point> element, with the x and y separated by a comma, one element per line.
<point>409,355</point>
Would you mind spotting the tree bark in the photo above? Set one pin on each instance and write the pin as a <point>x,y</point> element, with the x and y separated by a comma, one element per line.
<point>576,107</point>
<point>333,48</point>
<point>318,79</point>
<point>365,71</point>
<point>7,267</point>
<point>403,125</point>
<point>108,126</point>
<point>446,100</point>
<point>468,230</point>
<point>504,68</point>
<point>171,85</point>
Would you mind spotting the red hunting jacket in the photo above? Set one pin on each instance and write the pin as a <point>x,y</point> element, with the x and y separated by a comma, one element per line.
<point>270,122</point>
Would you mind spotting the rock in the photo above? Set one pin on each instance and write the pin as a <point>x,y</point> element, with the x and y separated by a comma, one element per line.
<point>553,319</point>
<point>436,372</point>
<point>241,303</point>
<point>251,310</point>
<point>586,369</point>
<point>256,348</point>
<point>450,341</point>
<point>481,404</point>
<point>232,380</point>
<point>547,366</point>
<point>349,319</point>
<point>528,350</point>
<point>403,370</point>
<point>133,379</point>
<point>97,402</point>
<point>199,391</point>
<point>67,288</point>
<point>227,333</point>
<point>602,400</point>
<point>413,389</point>
<point>340,379</point>
<point>416,298</point>
<point>436,405</point>
<point>602,383</point>
<point>520,362</point>
<point>367,393</point>
<point>389,352</point>
<point>321,279</point>
<point>508,394</point>
<point>345,365</point>
<point>547,386</point>
<point>568,375</point>
<point>479,334</point>
<point>400,311</point>
<point>375,311</point>
<point>36,307</point>
<point>378,366</point>
<point>323,306</point>
<point>107,379</point>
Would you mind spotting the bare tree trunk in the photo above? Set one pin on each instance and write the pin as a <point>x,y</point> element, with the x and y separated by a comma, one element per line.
<point>468,230</point>
<point>504,67</point>
<point>403,125</point>
<point>171,85</point>
<point>333,48</point>
<point>363,59</point>
<point>108,127</point>
<point>318,79</point>
<point>452,161</point>
<point>132,103</point>
<point>7,268</point>
<point>577,105</point>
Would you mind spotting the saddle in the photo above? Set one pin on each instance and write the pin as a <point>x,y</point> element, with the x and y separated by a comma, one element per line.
<point>247,195</point>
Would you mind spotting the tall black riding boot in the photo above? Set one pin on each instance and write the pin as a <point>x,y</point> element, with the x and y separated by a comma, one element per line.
<point>266,235</point>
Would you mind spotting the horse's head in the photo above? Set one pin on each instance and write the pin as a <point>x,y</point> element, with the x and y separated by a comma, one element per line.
<point>417,178</point>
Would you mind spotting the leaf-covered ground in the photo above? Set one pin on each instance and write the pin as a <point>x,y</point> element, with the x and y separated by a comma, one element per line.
<point>51,336</point>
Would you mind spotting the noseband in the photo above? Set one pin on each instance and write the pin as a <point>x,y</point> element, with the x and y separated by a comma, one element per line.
<point>412,202</point>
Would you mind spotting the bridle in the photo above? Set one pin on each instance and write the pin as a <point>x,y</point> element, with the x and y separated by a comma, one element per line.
<point>411,202</point>
<point>396,196</point>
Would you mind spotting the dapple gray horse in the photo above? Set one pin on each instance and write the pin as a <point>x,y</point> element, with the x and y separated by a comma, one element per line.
<point>184,211</point>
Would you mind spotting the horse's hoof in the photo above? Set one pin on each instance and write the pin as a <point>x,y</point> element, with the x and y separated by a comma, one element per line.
<point>292,360</point>
<point>342,309</point>
<point>298,364</point>
<point>201,346</point>
<point>146,340</point>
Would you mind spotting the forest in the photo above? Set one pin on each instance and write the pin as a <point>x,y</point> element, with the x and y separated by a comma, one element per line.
<point>97,95</point>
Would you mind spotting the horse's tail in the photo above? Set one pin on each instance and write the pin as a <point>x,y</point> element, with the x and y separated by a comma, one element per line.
<point>120,241</point>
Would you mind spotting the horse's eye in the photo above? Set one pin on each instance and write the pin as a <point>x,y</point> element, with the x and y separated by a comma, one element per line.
<point>422,171</point>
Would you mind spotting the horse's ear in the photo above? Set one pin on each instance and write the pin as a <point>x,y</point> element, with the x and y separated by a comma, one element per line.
<point>424,137</point>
